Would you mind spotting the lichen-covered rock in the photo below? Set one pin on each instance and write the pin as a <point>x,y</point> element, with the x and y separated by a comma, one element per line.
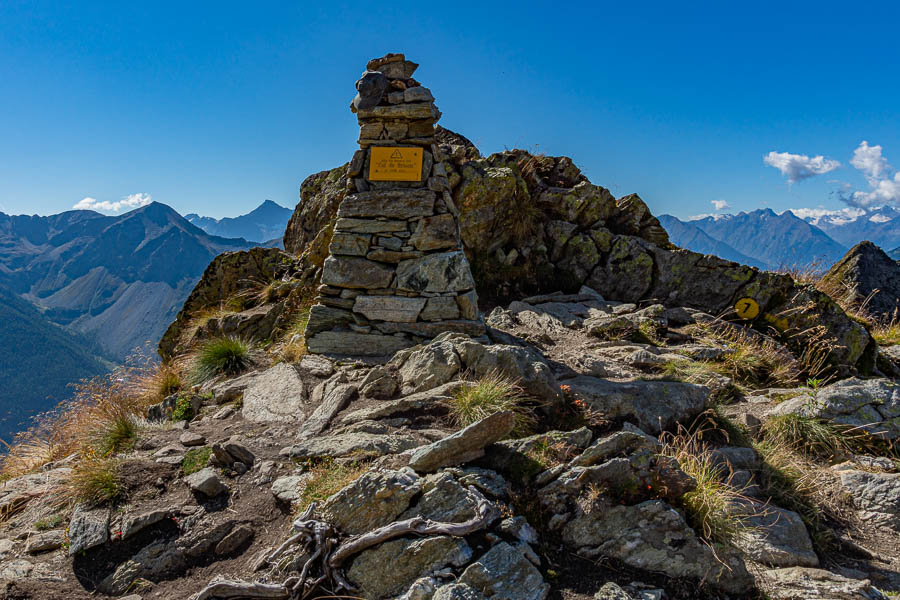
<point>875,495</point>
<point>870,277</point>
<point>389,568</point>
<point>320,196</point>
<point>373,500</point>
<point>88,528</point>
<point>504,573</point>
<point>773,536</point>
<point>798,583</point>
<point>276,394</point>
<point>464,445</point>
<point>653,405</point>
<point>457,591</point>
<point>870,404</point>
<point>447,355</point>
<point>653,536</point>
<point>346,444</point>
<point>206,482</point>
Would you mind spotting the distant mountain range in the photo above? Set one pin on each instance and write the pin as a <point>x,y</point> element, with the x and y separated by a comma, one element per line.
<point>80,291</point>
<point>118,280</point>
<point>266,223</point>
<point>765,239</point>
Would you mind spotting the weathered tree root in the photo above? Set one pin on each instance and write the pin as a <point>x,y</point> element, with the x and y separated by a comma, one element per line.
<point>242,589</point>
<point>320,541</point>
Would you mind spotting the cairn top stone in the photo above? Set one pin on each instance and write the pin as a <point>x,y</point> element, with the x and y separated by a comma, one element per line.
<point>394,66</point>
<point>369,89</point>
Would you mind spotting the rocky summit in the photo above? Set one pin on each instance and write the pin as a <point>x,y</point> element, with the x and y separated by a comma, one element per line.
<point>869,279</point>
<point>472,378</point>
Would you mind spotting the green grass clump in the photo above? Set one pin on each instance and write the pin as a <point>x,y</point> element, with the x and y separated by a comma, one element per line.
<point>791,481</point>
<point>49,523</point>
<point>195,459</point>
<point>807,435</point>
<point>95,480</point>
<point>706,373</point>
<point>220,356</point>
<point>117,435</point>
<point>490,394</point>
<point>326,478</point>
<point>710,506</point>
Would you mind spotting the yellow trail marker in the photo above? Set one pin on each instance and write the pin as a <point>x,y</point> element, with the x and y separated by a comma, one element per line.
<point>746,308</point>
<point>394,163</point>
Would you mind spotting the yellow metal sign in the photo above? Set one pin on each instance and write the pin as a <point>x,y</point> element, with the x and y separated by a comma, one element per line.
<point>746,308</point>
<point>395,164</point>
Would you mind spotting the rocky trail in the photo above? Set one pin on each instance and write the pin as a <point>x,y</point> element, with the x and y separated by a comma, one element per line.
<point>625,420</point>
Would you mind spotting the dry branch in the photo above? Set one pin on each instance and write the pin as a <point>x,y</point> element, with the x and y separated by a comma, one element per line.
<point>320,541</point>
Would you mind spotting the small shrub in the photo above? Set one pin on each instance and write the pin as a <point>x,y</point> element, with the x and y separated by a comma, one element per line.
<point>184,410</point>
<point>95,480</point>
<point>195,459</point>
<point>49,523</point>
<point>327,477</point>
<point>490,394</point>
<point>221,356</point>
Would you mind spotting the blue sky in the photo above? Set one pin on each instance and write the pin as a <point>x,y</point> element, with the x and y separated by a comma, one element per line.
<point>213,107</point>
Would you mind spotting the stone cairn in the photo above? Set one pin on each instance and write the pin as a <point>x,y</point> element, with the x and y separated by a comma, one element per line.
<point>396,274</point>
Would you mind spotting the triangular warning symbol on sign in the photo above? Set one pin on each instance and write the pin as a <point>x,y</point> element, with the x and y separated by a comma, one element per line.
<point>396,154</point>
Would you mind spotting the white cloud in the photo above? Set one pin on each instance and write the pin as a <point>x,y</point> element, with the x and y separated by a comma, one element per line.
<point>869,160</point>
<point>880,218</point>
<point>883,179</point>
<point>128,202</point>
<point>720,204</point>
<point>797,167</point>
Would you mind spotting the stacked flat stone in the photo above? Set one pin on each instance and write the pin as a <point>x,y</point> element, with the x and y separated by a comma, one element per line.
<point>396,274</point>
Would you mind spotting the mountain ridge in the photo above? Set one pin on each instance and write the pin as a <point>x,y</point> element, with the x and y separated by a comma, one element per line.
<point>263,224</point>
<point>116,279</point>
<point>776,240</point>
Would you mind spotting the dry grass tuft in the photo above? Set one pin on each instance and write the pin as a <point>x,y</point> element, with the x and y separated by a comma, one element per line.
<point>326,478</point>
<point>751,361</point>
<point>200,319</point>
<point>793,481</point>
<point>294,347</point>
<point>887,333</point>
<point>100,420</point>
<point>492,393</point>
<point>94,480</point>
<point>155,385</point>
